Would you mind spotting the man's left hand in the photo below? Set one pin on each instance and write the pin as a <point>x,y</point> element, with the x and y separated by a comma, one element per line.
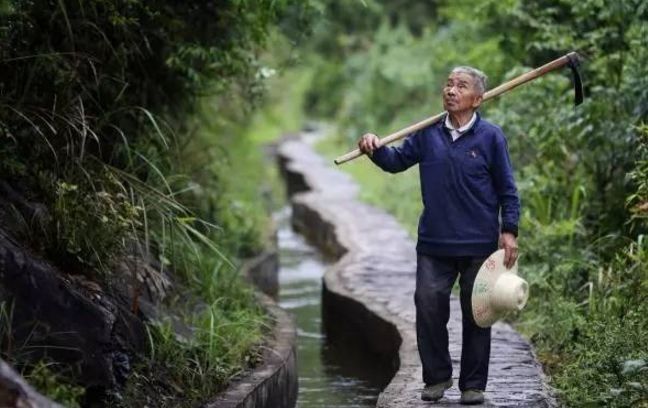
<point>509,243</point>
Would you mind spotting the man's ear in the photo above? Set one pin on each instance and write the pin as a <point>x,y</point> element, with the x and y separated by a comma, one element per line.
<point>477,101</point>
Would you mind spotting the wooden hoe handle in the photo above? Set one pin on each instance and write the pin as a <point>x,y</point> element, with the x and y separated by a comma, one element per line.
<point>566,59</point>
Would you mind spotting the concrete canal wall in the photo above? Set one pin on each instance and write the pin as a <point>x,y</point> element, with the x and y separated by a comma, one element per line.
<point>370,288</point>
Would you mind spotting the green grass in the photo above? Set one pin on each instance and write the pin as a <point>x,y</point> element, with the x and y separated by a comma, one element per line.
<point>398,194</point>
<point>282,112</point>
<point>239,188</point>
<point>224,329</point>
<point>590,338</point>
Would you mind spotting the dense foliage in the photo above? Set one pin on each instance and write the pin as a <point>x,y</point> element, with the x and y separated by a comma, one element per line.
<point>581,171</point>
<point>91,100</point>
<point>114,118</point>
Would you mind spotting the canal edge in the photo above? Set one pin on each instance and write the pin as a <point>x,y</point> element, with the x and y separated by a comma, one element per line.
<point>385,334</point>
<point>316,191</point>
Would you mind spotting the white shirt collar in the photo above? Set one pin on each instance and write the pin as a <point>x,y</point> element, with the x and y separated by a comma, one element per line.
<point>462,129</point>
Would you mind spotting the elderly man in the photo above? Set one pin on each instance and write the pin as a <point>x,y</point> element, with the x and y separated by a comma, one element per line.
<point>467,187</point>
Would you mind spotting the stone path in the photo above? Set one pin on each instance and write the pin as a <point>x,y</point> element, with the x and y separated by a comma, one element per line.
<point>376,271</point>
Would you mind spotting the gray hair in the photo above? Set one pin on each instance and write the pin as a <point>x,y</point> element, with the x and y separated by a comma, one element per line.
<point>478,76</point>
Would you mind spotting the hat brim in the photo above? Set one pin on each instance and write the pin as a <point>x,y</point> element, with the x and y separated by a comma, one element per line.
<point>493,267</point>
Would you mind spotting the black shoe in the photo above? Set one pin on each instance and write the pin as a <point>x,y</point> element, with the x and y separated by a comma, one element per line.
<point>472,397</point>
<point>435,392</point>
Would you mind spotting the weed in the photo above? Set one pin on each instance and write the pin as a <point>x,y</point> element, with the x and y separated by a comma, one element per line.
<point>51,381</point>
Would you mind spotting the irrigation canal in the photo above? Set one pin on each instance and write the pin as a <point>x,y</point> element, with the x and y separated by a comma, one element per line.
<point>332,374</point>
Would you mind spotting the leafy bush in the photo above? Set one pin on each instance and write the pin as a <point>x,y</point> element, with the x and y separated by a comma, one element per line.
<point>96,94</point>
<point>638,201</point>
<point>607,363</point>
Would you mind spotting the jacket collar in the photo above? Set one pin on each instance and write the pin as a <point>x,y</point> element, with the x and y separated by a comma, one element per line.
<point>475,124</point>
<point>448,124</point>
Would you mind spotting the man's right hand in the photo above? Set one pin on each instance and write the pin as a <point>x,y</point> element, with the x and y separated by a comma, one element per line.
<point>368,143</point>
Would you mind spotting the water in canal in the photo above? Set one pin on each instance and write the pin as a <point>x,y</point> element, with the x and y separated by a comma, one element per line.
<point>330,375</point>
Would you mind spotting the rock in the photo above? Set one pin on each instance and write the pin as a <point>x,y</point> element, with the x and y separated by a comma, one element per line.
<point>67,320</point>
<point>33,214</point>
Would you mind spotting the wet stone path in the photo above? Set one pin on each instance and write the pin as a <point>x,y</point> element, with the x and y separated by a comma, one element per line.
<point>374,277</point>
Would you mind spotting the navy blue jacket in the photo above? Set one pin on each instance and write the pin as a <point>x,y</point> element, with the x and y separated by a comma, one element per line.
<point>465,185</point>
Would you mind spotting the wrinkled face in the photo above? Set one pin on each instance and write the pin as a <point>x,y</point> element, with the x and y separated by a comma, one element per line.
<point>460,93</point>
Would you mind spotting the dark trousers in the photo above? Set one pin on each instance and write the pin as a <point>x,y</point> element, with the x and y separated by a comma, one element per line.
<point>435,277</point>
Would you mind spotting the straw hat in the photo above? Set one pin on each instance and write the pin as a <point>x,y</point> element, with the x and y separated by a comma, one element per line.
<point>497,290</point>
